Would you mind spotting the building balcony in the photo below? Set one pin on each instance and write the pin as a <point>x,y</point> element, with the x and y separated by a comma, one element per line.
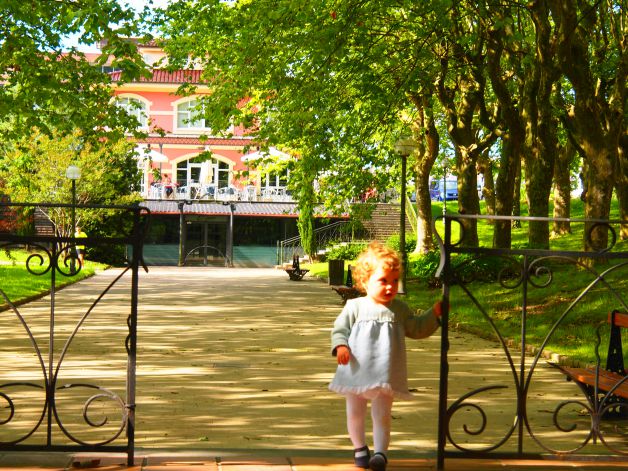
<point>198,192</point>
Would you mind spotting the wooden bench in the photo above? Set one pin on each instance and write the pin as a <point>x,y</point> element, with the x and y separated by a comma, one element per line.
<point>296,273</point>
<point>347,291</point>
<point>611,379</point>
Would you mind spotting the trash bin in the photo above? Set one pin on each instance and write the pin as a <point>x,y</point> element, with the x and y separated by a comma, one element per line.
<point>336,270</point>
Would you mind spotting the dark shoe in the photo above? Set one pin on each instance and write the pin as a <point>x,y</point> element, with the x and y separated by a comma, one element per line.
<point>378,462</point>
<point>361,457</point>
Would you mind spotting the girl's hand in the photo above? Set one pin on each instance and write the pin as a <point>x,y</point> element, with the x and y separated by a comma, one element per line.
<point>343,354</point>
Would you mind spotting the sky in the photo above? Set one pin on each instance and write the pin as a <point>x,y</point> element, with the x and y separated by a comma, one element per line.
<point>135,4</point>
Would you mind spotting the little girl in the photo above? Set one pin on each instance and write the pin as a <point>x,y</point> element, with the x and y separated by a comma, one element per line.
<point>368,340</point>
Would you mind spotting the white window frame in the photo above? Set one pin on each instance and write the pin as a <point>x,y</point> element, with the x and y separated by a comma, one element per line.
<point>275,178</point>
<point>140,113</point>
<point>186,124</point>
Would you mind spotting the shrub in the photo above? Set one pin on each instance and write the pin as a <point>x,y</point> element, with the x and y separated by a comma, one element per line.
<point>424,266</point>
<point>348,251</point>
<point>393,242</point>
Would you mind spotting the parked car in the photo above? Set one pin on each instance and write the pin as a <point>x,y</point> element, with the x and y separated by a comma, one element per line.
<point>444,189</point>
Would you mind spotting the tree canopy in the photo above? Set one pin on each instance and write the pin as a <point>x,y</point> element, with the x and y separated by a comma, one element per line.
<point>45,86</point>
<point>35,170</point>
<point>341,82</point>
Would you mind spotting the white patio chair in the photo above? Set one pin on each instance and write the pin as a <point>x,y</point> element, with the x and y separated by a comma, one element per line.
<point>249,193</point>
<point>227,193</point>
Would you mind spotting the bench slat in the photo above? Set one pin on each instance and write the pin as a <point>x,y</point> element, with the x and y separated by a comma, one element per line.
<point>621,319</point>
<point>607,379</point>
<point>346,292</point>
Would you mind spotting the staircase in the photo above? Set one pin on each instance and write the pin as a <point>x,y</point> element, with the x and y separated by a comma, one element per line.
<point>384,221</point>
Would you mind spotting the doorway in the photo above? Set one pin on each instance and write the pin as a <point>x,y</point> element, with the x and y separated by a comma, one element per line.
<point>206,241</point>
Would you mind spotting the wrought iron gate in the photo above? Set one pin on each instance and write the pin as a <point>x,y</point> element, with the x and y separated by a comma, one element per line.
<point>40,410</point>
<point>543,415</point>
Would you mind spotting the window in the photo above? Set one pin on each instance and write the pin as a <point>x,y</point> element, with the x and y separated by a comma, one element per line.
<point>276,179</point>
<point>223,177</point>
<point>188,116</point>
<point>217,173</point>
<point>136,108</point>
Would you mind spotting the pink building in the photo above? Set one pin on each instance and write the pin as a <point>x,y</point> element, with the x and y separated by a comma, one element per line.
<point>203,210</point>
<point>175,141</point>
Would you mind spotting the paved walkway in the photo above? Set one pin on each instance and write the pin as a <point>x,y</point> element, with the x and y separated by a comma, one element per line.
<point>233,367</point>
<point>254,460</point>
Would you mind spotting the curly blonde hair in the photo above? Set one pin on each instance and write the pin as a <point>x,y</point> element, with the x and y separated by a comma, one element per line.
<point>376,255</point>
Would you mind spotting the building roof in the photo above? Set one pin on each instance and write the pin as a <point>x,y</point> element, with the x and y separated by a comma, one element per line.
<point>164,76</point>
<point>211,208</point>
<point>240,208</point>
<point>195,140</point>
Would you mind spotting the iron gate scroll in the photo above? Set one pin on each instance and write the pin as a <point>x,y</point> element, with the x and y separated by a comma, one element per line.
<point>48,399</point>
<point>522,405</point>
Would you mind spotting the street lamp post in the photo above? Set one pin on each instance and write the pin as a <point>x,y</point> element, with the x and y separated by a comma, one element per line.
<point>229,250</point>
<point>73,173</point>
<point>181,205</point>
<point>445,189</point>
<point>404,147</point>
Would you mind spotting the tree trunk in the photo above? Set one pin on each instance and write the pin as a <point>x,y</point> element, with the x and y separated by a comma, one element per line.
<point>597,205</point>
<point>485,167</point>
<point>513,140</point>
<point>621,184</point>
<point>596,120</point>
<point>516,196</point>
<point>540,124</point>
<point>468,199</point>
<point>424,235</point>
<point>463,133</point>
<point>505,189</point>
<point>562,189</point>
<point>428,140</point>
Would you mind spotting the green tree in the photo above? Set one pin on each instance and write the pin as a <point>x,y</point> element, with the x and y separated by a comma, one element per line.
<point>35,171</point>
<point>335,75</point>
<point>462,91</point>
<point>343,77</point>
<point>592,53</point>
<point>47,88</point>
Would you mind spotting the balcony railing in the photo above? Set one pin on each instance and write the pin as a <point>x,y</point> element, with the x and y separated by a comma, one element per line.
<point>196,191</point>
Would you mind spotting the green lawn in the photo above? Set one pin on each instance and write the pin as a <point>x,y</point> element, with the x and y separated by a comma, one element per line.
<point>18,284</point>
<point>574,337</point>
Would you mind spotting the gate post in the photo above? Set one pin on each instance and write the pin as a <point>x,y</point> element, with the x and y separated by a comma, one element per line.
<point>444,348</point>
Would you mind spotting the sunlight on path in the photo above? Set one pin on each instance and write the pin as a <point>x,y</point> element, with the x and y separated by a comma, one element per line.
<point>239,358</point>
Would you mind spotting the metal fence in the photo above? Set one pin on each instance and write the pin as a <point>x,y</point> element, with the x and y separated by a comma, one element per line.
<point>48,391</point>
<point>338,232</point>
<point>524,406</point>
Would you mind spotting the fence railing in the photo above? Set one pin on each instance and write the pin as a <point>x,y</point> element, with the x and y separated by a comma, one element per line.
<point>523,405</point>
<point>52,396</point>
<point>411,214</point>
<point>338,231</point>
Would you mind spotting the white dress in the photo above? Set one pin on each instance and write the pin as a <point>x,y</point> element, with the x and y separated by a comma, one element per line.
<point>376,333</point>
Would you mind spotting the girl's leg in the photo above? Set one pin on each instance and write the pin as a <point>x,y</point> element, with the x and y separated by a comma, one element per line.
<point>356,416</point>
<point>381,412</point>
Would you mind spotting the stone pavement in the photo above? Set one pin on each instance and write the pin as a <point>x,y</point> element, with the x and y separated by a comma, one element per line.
<point>238,360</point>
